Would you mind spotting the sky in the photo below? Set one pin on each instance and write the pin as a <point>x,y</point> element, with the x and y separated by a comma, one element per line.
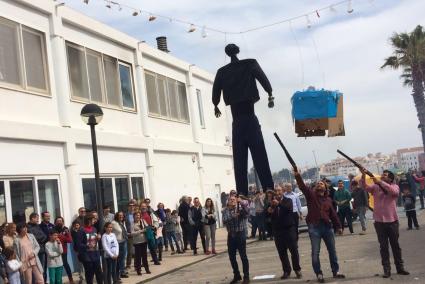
<point>340,51</point>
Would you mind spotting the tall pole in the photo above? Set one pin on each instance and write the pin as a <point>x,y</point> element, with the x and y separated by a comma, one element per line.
<point>99,196</point>
<point>317,167</point>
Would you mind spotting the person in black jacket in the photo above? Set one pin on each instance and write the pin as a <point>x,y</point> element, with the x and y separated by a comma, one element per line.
<point>237,80</point>
<point>184,221</point>
<point>285,234</point>
<point>195,220</point>
<point>35,229</point>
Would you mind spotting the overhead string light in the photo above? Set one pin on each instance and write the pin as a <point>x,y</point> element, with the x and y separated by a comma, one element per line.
<point>205,29</point>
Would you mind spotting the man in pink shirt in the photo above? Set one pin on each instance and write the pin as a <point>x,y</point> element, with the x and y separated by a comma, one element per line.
<point>385,194</point>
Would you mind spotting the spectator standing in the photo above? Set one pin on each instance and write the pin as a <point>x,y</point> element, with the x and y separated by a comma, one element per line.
<point>170,229</point>
<point>140,244</point>
<point>285,234</point>
<point>152,222</point>
<point>160,213</point>
<point>410,207</point>
<point>65,238</point>
<point>385,194</point>
<point>111,251</point>
<point>129,222</point>
<point>82,212</point>
<point>9,234</point>
<point>268,219</point>
<point>360,204</point>
<point>41,235</point>
<point>421,181</point>
<point>210,225</point>
<point>27,250</point>
<point>235,217</point>
<point>76,231</point>
<point>320,219</point>
<point>184,221</point>
<point>296,205</point>
<point>107,215</point>
<point>13,265</point>
<point>195,220</point>
<point>54,251</point>
<point>259,215</point>
<point>88,250</point>
<point>178,230</point>
<point>342,198</point>
<point>251,218</point>
<point>120,231</point>
<point>159,238</point>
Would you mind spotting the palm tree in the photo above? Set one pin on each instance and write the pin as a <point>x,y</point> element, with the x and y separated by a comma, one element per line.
<point>409,56</point>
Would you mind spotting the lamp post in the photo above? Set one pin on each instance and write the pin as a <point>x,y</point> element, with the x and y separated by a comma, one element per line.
<point>92,115</point>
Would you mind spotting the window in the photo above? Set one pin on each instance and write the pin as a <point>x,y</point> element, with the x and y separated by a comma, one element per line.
<point>200,108</point>
<point>2,204</point>
<point>48,196</point>
<point>115,190</point>
<point>123,195</point>
<point>99,78</point>
<point>137,188</point>
<point>166,97</point>
<point>22,57</point>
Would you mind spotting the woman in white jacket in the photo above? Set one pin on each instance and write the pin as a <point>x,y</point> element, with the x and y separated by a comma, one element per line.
<point>111,248</point>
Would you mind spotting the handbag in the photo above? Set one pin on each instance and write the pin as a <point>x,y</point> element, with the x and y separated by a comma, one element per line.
<point>150,237</point>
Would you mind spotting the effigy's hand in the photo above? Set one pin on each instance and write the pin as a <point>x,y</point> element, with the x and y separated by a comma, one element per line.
<point>217,112</point>
<point>271,101</point>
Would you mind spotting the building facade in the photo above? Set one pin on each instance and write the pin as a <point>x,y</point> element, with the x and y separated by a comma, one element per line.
<point>158,137</point>
<point>408,158</point>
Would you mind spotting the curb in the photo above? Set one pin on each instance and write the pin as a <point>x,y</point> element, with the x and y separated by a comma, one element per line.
<point>186,265</point>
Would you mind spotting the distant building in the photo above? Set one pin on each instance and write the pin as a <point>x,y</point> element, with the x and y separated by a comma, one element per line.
<point>408,158</point>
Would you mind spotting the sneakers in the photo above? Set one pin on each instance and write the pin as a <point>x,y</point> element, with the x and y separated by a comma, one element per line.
<point>320,278</point>
<point>403,272</point>
<point>236,279</point>
<point>298,274</point>
<point>285,275</point>
<point>207,252</point>
<point>387,274</point>
<point>214,251</point>
<point>338,275</point>
<point>245,280</point>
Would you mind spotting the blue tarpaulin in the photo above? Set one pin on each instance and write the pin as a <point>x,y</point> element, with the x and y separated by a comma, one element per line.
<point>312,103</point>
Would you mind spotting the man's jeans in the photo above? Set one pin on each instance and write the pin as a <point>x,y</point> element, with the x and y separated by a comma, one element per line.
<point>421,197</point>
<point>237,242</point>
<point>317,233</point>
<point>361,211</point>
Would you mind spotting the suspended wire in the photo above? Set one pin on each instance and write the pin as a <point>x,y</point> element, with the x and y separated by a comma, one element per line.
<point>137,11</point>
<point>319,61</point>
<point>299,53</point>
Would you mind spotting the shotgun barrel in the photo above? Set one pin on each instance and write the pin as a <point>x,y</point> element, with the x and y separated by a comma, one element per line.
<point>291,161</point>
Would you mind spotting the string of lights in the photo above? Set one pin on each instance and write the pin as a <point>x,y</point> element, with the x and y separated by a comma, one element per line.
<point>151,16</point>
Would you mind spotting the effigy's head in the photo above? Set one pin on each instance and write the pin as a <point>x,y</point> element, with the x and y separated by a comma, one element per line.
<point>231,49</point>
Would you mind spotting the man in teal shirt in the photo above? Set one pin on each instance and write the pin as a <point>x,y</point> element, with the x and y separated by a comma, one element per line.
<point>342,198</point>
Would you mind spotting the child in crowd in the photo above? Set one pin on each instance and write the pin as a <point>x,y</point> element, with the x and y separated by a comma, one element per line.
<point>159,239</point>
<point>410,208</point>
<point>12,266</point>
<point>54,252</point>
<point>178,229</point>
<point>111,248</point>
<point>76,230</point>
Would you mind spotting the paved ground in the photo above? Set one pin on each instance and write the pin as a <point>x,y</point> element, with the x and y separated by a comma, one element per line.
<point>358,257</point>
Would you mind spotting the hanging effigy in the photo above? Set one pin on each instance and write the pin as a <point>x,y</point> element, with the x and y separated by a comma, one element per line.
<point>317,111</point>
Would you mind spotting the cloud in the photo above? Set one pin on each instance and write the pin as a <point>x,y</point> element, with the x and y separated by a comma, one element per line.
<point>379,112</point>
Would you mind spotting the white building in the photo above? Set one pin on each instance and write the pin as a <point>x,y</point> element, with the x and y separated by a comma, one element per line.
<point>408,158</point>
<point>158,137</point>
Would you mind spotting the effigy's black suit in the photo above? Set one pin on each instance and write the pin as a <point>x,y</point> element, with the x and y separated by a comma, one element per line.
<point>237,81</point>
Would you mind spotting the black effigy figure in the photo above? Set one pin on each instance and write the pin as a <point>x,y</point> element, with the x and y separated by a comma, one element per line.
<point>237,80</point>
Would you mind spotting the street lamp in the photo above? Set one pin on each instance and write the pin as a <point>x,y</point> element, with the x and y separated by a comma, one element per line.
<point>92,115</point>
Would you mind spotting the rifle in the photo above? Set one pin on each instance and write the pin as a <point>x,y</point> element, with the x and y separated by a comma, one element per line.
<point>361,168</point>
<point>288,156</point>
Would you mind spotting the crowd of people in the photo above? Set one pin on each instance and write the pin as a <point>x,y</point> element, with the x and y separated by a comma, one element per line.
<point>276,214</point>
<point>105,247</point>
